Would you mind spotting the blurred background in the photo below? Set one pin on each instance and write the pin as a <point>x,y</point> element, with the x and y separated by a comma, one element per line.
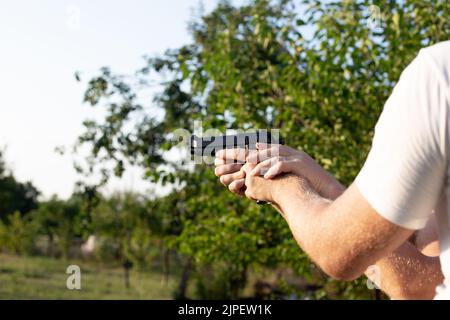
<point>91,93</point>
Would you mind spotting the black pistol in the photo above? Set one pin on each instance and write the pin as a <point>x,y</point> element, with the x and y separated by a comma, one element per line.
<point>208,146</point>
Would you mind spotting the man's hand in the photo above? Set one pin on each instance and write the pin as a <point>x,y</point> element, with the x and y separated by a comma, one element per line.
<point>228,164</point>
<point>274,159</point>
<point>258,188</point>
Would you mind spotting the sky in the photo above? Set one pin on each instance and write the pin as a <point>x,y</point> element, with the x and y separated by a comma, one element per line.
<point>42,44</point>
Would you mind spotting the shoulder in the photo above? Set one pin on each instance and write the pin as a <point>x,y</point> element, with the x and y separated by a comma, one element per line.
<point>440,51</point>
<point>436,60</point>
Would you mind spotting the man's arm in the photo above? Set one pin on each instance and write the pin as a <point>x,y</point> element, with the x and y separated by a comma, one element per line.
<point>413,270</point>
<point>427,239</point>
<point>343,236</point>
<point>406,273</point>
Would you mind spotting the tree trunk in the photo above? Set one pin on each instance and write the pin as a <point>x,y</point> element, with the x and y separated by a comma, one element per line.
<point>50,246</point>
<point>181,292</point>
<point>127,265</point>
<point>166,266</point>
<point>238,282</point>
<point>127,278</point>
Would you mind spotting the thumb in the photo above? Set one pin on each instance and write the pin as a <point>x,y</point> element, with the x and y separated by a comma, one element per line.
<point>248,167</point>
<point>262,145</point>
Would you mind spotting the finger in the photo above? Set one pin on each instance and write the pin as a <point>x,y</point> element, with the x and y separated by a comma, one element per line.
<point>219,162</point>
<point>249,193</point>
<point>264,154</point>
<point>262,167</point>
<point>252,154</point>
<point>229,178</point>
<point>282,149</point>
<point>263,145</point>
<point>227,169</point>
<point>237,186</point>
<point>278,168</point>
<point>238,154</point>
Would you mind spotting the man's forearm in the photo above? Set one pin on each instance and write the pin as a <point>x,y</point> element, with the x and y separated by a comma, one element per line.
<point>413,270</point>
<point>408,274</point>
<point>336,234</point>
<point>302,207</point>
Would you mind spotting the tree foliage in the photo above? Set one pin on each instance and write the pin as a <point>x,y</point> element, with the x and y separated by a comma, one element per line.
<point>60,221</point>
<point>15,195</point>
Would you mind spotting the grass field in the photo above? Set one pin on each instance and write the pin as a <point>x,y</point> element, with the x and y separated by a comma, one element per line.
<point>45,278</point>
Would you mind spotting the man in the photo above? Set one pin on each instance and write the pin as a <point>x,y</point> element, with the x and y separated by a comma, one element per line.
<point>403,183</point>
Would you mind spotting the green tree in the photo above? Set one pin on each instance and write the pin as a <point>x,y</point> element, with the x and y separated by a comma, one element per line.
<point>2,166</point>
<point>14,195</point>
<point>60,221</point>
<point>315,69</point>
<point>128,229</point>
<point>17,234</point>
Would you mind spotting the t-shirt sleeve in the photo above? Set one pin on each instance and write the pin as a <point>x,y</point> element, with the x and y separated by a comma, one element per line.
<point>406,167</point>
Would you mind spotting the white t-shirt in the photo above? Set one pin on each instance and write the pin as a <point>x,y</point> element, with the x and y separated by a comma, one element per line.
<point>406,175</point>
